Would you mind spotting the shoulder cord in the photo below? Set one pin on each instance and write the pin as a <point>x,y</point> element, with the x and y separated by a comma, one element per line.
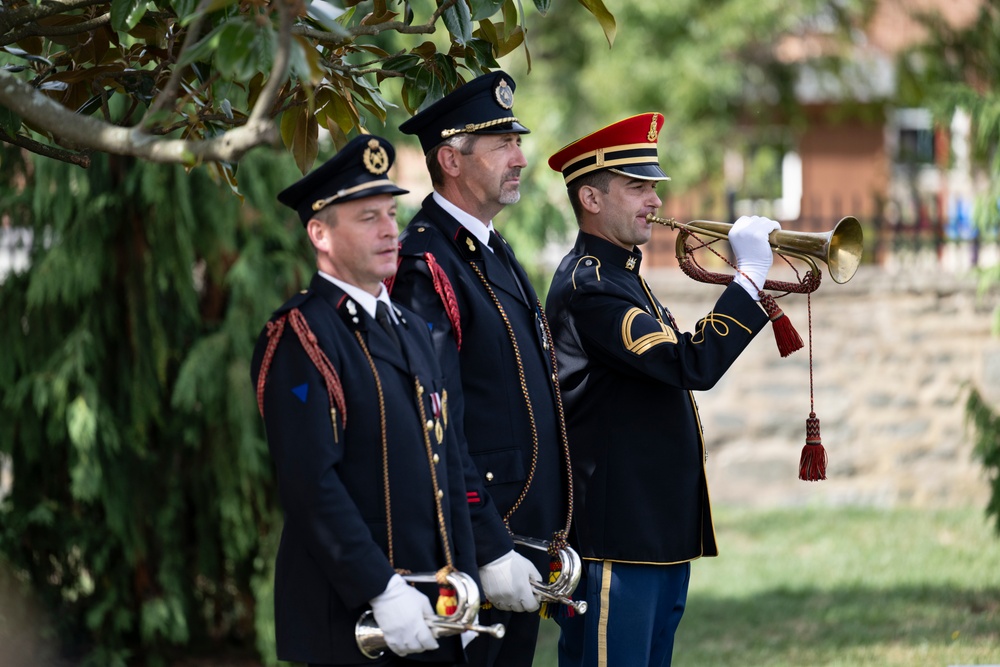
<point>334,389</point>
<point>444,291</point>
<point>449,566</point>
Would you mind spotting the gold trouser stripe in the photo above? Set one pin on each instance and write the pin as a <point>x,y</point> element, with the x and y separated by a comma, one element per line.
<point>602,621</point>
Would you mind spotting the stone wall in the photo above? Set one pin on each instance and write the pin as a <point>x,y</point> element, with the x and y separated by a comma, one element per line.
<point>894,353</point>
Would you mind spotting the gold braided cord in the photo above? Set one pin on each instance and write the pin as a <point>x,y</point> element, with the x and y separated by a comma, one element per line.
<point>476,127</point>
<point>559,540</point>
<point>449,567</point>
<point>385,444</point>
<point>524,393</point>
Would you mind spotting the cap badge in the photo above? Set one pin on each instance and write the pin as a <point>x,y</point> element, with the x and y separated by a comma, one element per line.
<point>630,264</point>
<point>375,158</point>
<point>504,94</point>
<point>651,135</point>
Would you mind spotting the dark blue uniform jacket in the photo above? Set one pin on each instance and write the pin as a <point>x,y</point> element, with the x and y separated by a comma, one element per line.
<point>505,438</point>
<point>334,545</point>
<point>634,432</point>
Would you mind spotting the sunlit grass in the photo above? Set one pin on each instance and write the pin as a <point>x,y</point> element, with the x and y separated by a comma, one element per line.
<point>839,588</point>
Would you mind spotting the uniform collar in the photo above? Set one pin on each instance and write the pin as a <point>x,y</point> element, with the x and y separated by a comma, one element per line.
<point>365,300</point>
<point>611,254</point>
<point>470,222</point>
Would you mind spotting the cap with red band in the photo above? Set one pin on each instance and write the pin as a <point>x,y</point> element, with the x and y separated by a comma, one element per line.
<point>627,147</point>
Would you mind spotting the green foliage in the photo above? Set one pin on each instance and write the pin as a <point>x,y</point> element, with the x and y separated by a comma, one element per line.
<point>142,507</point>
<point>959,69</point>
<point>986,426</point>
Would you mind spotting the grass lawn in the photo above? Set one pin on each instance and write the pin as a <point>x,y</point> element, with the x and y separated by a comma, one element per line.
<point>840,588</point>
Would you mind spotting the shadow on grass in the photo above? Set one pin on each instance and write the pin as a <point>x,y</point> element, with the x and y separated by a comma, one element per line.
<point>847,626</point>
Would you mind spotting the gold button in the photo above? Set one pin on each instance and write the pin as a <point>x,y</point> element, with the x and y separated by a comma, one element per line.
<point>440,493</point>
<point>489,477</point>
<point>555,378</point>
<point>430,424</point>
<point>305,291</point>
<point>436,458</point>
<point>420,229</point>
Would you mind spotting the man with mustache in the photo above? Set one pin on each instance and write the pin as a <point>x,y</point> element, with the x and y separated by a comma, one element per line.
<point>371,475</point>
<point>491,334</point>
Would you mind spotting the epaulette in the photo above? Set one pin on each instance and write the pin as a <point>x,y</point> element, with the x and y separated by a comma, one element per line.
<point>445,292</point>
<point>587,269</point>
<point>289,312</point>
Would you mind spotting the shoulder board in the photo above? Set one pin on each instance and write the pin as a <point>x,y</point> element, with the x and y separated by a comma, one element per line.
<point>418,238</point>
<point>587,270</point>
<point>295,301</point>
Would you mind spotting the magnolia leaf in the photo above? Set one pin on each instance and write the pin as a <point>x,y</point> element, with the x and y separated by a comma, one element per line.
<point>543,6</point>
<point>300,132</point>
<point>604,17</point>
<point>483,9</point>
<point>458,20</point>
<point>126,14</point>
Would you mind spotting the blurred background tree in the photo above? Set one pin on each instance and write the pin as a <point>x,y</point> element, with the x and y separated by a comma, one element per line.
<point>959,70</point>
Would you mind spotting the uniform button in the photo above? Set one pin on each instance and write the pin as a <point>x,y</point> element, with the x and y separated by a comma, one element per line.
<point>555,378</point>
<point>440,493</point>
<point>430,424</point>
<point>589,262</point>
<point>489,477</point>
<point>436,458</point>
<point>545,345</point>
<point>420,229</point>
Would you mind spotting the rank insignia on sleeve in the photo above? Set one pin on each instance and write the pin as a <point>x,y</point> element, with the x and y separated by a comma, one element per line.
<point>641,333</point>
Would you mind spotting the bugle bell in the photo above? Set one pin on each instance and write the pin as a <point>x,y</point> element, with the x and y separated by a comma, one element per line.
<point>840,248</point>
<point>569,575</point>
<point>371,639</point>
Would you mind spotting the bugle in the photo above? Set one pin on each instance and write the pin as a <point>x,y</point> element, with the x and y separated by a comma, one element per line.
<point>569,575</point>
<point>371,639</point>
<point>840,248</point>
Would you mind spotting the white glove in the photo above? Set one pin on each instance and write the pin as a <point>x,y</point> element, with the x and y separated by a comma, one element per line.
<point>507,582</point>
<point>400,611</point>
<point>748,239</point>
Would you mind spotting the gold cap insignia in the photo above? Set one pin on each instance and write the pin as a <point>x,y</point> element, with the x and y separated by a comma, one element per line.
<point>504,94</point>
<point>375,158</point>
<point>651,135</point>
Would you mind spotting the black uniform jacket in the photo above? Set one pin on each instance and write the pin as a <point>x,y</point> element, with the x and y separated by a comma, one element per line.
<point>333,554</point>
<point>634,432</point>
<point>500,431</point>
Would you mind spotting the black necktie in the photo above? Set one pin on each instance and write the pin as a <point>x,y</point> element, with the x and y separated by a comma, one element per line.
<point>385,321</point>
<point>500,251</point>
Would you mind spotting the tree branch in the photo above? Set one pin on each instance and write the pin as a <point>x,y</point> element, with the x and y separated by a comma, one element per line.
<point>88,132</point>
<point>29,13</point>
<point>46,151</point>
<point>35,30</point>
<point>168,93</point>
<point>333,40</point>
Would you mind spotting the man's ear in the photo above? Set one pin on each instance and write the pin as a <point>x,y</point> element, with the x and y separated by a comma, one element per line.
<point>590,199</point>
<point>319,234</point>
<point>447,157</point>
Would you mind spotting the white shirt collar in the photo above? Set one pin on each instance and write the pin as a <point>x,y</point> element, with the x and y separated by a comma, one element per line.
<point>470,222</point>
<point>364,299</point>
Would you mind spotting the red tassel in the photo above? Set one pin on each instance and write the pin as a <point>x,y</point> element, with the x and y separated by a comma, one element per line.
<point>785,335</point>
<point>812,464</point>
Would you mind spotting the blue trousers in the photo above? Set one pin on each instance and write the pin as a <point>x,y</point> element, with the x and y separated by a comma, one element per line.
<point>633,613</point>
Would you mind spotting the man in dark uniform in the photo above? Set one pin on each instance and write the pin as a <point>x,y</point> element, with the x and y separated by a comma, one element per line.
<point>627,372</point>
<point>488,324</point>
<point>370,470</point>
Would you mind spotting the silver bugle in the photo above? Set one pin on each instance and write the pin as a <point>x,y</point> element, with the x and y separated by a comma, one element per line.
<point>371,639</point>
<point>562,588</point>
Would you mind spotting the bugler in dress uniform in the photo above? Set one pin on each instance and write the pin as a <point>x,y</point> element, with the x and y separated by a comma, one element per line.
<point>627,373</point>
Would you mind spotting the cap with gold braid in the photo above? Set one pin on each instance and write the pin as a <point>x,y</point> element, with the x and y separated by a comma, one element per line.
<point>484,105</point>
<point>358,170</point>
<point>627,147</point>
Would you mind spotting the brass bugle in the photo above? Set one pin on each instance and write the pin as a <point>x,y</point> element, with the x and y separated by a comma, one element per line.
<point>840,248</point>
<point>371,639</point>
<point>569,576</point>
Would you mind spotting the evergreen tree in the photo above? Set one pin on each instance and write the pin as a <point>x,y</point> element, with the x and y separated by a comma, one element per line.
<point>142,509</point>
